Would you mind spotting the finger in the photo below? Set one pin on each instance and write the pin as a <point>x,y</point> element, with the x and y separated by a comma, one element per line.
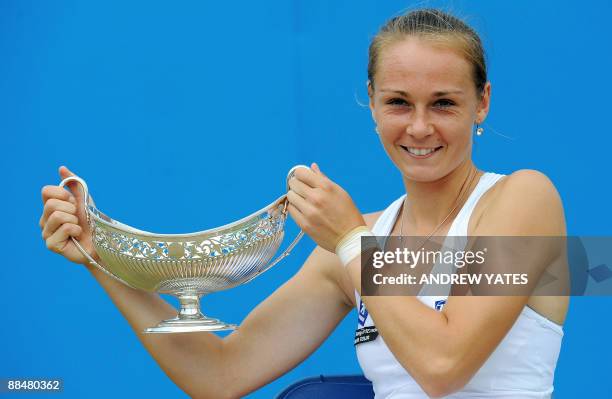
<point>58,240</point>
<point>56,220</point>
<point>297,216</point>
<point>53,205</point>
<point>75,188</point>
<point>308,177</point>
<point>300,203</point>
<point>56,192</point>
<point>299,187</point>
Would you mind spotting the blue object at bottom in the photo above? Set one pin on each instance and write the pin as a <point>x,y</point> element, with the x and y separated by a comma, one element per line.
<point>337,387</point>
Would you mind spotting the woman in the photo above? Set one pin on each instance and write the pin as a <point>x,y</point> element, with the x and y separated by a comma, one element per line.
<point>427,88</point>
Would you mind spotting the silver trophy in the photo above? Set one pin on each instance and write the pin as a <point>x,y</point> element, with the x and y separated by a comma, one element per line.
<point>188,266</point>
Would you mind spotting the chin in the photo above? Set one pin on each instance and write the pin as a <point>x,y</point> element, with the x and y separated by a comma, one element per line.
<point>422,174</point>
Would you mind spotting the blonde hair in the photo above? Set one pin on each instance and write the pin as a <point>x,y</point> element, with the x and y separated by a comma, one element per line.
<point>438,27</point>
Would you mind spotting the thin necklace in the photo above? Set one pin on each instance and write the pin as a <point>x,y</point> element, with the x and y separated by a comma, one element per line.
<point>457,202</point>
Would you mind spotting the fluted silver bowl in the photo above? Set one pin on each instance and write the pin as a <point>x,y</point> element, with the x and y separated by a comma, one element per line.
<point>188,265</point>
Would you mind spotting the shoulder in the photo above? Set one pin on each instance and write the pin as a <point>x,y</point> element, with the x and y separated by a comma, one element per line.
<point>529,181</point>
<point>529,190</point>
<point>523,203</point>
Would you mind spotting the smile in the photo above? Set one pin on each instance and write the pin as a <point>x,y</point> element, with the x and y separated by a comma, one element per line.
<point>421,152</point>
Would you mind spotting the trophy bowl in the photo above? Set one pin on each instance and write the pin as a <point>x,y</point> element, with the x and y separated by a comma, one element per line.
<point>191,265</point>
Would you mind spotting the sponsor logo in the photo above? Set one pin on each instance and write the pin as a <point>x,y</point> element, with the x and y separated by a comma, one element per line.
<point>362,315</point>
<point>439,304</point>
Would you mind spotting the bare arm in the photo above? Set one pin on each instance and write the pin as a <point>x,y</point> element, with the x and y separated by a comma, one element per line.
<point>276,336</point>
<point>447,348</point>
<point>289,325</point>
<point>281,332</point>
<point>190,360</point>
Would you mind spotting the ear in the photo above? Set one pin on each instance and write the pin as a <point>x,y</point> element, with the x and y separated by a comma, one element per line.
<point>371,97</point>
<point>483,106</point>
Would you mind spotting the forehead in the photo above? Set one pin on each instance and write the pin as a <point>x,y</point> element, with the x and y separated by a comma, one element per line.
<point>415,63</point>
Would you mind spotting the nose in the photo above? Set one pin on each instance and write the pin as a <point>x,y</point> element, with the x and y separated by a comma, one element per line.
<point>419,126</point>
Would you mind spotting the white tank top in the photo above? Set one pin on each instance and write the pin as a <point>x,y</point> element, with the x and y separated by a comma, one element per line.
<point>521,367</point>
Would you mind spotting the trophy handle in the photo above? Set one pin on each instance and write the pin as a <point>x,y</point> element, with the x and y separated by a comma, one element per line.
<point>297,238</point>
<point>286,252</point>
<point>292,172</point>
<point>74,240</point>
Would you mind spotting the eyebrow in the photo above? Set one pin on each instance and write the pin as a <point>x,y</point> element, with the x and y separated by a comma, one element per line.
<point>436,94</point>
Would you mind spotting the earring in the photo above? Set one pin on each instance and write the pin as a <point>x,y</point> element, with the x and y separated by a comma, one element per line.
<point>479,130</point>
<point>376,130</point>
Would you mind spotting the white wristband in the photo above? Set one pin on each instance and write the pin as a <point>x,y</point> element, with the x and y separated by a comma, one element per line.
<point>350,245</point>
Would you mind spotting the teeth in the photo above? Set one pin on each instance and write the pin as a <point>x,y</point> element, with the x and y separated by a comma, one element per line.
<point>420,151</point>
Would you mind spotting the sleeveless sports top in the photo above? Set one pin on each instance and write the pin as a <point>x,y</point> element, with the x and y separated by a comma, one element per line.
<point>521,367</point>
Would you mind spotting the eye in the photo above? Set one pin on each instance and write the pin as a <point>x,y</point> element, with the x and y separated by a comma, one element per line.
<point>396,102</point>
<point>444,103</point>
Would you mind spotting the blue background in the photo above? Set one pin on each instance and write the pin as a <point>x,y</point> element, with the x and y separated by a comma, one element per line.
<point>187,115</point>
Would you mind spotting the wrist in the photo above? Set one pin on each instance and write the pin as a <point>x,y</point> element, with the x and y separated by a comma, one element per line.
<point>349,246</point>
<point>349,235</point>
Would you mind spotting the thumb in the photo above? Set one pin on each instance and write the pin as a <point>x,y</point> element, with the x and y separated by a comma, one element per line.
<point>64,172</point>
<point>316,169</point>
<point>74,187</point>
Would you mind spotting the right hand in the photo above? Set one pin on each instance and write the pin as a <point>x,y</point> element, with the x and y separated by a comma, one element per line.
<point>64,217</point>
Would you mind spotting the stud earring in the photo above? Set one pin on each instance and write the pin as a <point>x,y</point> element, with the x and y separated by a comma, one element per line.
<point>479,130</point>
<point>376,130</point>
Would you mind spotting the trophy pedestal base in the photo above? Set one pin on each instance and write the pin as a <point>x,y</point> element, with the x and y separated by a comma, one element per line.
<point>189,319</point>
<point>184,325</point>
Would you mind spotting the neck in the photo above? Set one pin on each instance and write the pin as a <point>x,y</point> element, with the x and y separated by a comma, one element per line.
<point>429,203</point>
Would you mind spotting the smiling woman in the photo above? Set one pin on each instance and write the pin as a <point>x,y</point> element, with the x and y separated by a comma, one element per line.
<point>427,70</point>
<point>428,93</point>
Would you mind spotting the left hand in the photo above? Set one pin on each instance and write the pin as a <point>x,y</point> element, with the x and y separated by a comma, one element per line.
<point>321,207</point>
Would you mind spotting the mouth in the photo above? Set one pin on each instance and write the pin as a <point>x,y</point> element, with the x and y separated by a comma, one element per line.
<point>421,153</point>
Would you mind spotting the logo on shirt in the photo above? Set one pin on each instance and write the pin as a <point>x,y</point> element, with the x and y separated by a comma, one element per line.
<point>439,304</point>
<point>365,334</point>
<point>362,315</point>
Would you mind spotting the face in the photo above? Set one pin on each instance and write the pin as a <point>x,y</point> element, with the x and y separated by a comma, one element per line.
<point>424,103</point>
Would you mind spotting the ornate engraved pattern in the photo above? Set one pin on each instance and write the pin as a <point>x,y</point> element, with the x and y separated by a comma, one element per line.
<point>132,244</point>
